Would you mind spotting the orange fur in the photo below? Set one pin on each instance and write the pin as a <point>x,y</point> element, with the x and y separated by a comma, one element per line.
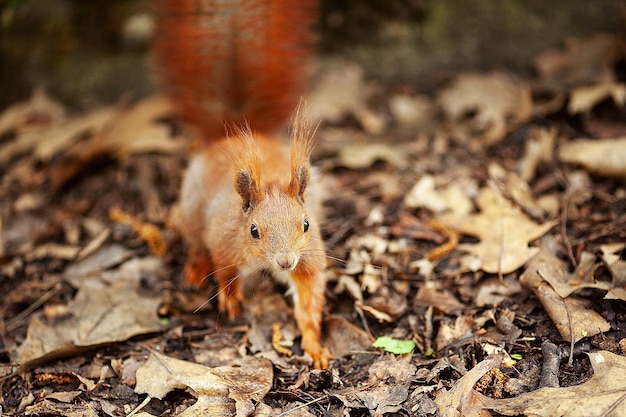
<point>224,60</point>
<point>223,196</point>
<point>247,202</point>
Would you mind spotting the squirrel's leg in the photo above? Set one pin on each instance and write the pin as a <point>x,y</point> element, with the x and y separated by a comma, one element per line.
<point>229,296</point>
<point>198,267</point>
<point>309,303</point>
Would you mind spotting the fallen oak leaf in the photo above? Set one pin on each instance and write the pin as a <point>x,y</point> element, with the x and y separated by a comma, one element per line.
<point>504,232</point>
<point>215,388</point>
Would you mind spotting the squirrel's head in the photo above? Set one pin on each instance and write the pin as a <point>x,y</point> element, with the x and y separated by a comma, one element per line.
<point>276,225</point>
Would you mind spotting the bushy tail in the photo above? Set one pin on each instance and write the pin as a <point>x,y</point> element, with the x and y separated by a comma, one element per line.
<point>226,60</point>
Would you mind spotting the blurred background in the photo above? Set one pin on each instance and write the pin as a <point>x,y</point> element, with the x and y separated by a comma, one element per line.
<point>91,53</point>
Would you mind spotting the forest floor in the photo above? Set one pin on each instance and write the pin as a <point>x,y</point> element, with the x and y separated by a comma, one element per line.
<point>479,227</point>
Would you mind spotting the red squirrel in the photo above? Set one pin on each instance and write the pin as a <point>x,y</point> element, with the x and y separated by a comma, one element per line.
<point>248,202</point>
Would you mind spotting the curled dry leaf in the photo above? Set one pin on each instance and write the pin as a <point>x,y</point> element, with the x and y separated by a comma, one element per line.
<point>462,399</point>
<point>448,333</point>
<point>617,266</point>
<point>546,276</point>
<point>602,395</point>
<point>605,157</point>
<point>583,99</point>
<point>386,390</point>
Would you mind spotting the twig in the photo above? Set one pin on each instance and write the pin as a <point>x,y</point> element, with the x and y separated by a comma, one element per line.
<point>551,362</point>
<point>15,322</point>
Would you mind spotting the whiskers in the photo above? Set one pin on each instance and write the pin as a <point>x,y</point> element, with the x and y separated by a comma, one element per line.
<point>248,269</point>
<point>315,251</point>
<point>315,248</point>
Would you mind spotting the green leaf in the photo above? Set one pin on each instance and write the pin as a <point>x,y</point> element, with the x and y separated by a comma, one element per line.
<point>399,347</point>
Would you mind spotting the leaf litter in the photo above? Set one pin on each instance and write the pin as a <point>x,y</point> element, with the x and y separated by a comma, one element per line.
<point>532,213</point>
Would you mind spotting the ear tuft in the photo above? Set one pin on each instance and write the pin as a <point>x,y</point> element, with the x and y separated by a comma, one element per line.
<point>302,135</point>
<point>245,156</point>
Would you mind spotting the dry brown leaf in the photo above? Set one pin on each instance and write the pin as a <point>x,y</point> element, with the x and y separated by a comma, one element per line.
<point>415,112</point>
<point>546,276</point>
<point>94,264</point>
<point>462,399</point>
<point>341,92</point>
<point>602,395</point>
<point>514,188</point>
<point>40,108</point>
<point>246,382</point>
<point>495,101</point>
<point>430,294</point>
<point>381,316</point>
<point>539,148</point>
<point>504,232</point>
<point>60,138</point>
<point>54,408</point>
<point>364,155</point>
<point>47,140</point>
<point>617,266</point>
<point>462,328</point>
<point>136,131</point>
<point>582,61</point>
<point>453,197</point>
<point>605,157</point>
<point>583,99</point>
<point>492,292</point>
<point>262,311</point>
<point>98,314</point>
<point>387,388</point>
<point>343,338</point>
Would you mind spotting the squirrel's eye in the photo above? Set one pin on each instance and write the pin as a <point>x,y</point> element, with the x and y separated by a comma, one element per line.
<point>254,231</point>
<point>306,225</point>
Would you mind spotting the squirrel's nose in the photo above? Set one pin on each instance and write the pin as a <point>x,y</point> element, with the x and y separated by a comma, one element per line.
<point>286,261</point>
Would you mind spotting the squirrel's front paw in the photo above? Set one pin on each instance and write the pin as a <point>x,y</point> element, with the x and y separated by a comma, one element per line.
<point>320,357</point>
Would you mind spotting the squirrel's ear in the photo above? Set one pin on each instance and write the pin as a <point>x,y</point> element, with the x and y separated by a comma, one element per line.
<point>299,180</point>
<point>248,189</point>
<point>301,145</point>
